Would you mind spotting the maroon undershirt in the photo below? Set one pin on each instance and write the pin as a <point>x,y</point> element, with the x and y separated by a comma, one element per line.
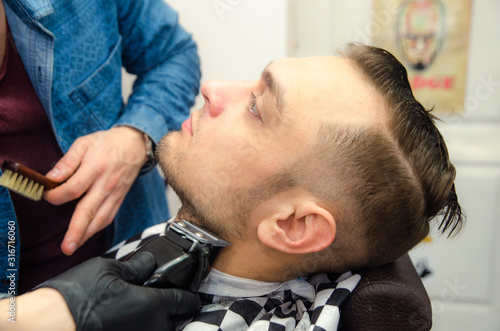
<point>26,137</point>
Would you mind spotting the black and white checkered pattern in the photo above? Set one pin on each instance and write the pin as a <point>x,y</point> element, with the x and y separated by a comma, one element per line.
<point>277,311</point>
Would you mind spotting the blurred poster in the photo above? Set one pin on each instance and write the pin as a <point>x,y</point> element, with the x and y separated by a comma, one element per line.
<point>431,38</point>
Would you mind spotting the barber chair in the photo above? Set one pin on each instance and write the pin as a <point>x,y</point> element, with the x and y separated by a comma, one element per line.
<point>389,297</point>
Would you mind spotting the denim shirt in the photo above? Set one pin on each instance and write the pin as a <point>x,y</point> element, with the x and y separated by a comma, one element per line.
<point>73,52</point>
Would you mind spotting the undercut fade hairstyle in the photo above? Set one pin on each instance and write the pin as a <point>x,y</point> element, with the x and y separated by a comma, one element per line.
<point>388,184</point>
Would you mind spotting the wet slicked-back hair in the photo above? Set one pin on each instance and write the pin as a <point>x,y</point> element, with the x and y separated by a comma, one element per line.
<point>388,186</point>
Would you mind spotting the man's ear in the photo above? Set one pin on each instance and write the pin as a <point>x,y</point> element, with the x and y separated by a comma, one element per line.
<point>301,229</point>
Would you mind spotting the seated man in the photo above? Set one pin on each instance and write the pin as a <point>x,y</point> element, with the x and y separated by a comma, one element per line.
<point>322,166</point>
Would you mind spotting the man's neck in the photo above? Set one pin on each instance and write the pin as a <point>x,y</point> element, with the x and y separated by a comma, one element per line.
<point>231,261</point>
<point>253,260</point>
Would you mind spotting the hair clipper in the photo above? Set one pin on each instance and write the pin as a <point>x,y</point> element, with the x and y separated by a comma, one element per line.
<point>182,255</point>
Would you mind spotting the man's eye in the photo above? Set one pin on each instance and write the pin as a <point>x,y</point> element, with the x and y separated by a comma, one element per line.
<point>252,106</point>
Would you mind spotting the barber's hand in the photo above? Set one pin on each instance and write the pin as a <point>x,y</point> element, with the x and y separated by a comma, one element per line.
<point>100,296</point>
<point>103,166</point>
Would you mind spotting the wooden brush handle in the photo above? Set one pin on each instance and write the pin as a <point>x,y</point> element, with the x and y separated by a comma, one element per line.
<point>29,173</point>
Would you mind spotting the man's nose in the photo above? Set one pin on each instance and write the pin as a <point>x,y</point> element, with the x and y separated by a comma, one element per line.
<point>213,93</point>
<point>220,95</point>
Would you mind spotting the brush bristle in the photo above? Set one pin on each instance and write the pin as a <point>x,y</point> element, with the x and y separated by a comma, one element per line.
<point>21,185</point>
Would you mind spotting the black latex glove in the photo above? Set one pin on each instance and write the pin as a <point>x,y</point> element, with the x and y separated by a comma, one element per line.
<point>101,295</point>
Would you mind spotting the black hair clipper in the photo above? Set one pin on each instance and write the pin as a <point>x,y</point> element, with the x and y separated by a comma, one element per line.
<point>182,255</point>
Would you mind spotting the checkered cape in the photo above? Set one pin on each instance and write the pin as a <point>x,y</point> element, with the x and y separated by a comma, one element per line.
<point>277,311</point>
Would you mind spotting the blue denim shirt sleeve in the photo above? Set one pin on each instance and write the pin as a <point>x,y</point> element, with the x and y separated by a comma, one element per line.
<point>166,54</point>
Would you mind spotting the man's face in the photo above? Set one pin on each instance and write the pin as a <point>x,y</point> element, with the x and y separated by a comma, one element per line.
<point>250,132</point>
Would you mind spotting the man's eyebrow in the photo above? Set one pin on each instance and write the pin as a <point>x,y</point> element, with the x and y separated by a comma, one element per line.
<point>275,89</point>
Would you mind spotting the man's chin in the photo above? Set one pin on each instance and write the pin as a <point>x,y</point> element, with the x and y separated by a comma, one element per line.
<point>164,153</point>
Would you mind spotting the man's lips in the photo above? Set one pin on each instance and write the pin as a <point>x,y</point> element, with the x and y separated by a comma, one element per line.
<point>188,125</point>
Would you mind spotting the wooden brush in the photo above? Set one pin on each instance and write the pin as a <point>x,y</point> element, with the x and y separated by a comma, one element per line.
<point>25,181</point>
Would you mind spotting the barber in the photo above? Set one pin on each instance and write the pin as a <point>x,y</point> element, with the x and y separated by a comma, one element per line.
<point>99,294</point>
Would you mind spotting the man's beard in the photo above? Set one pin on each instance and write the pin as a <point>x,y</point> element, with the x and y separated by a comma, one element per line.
<point>212,206</point>
<point>223,213</point>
